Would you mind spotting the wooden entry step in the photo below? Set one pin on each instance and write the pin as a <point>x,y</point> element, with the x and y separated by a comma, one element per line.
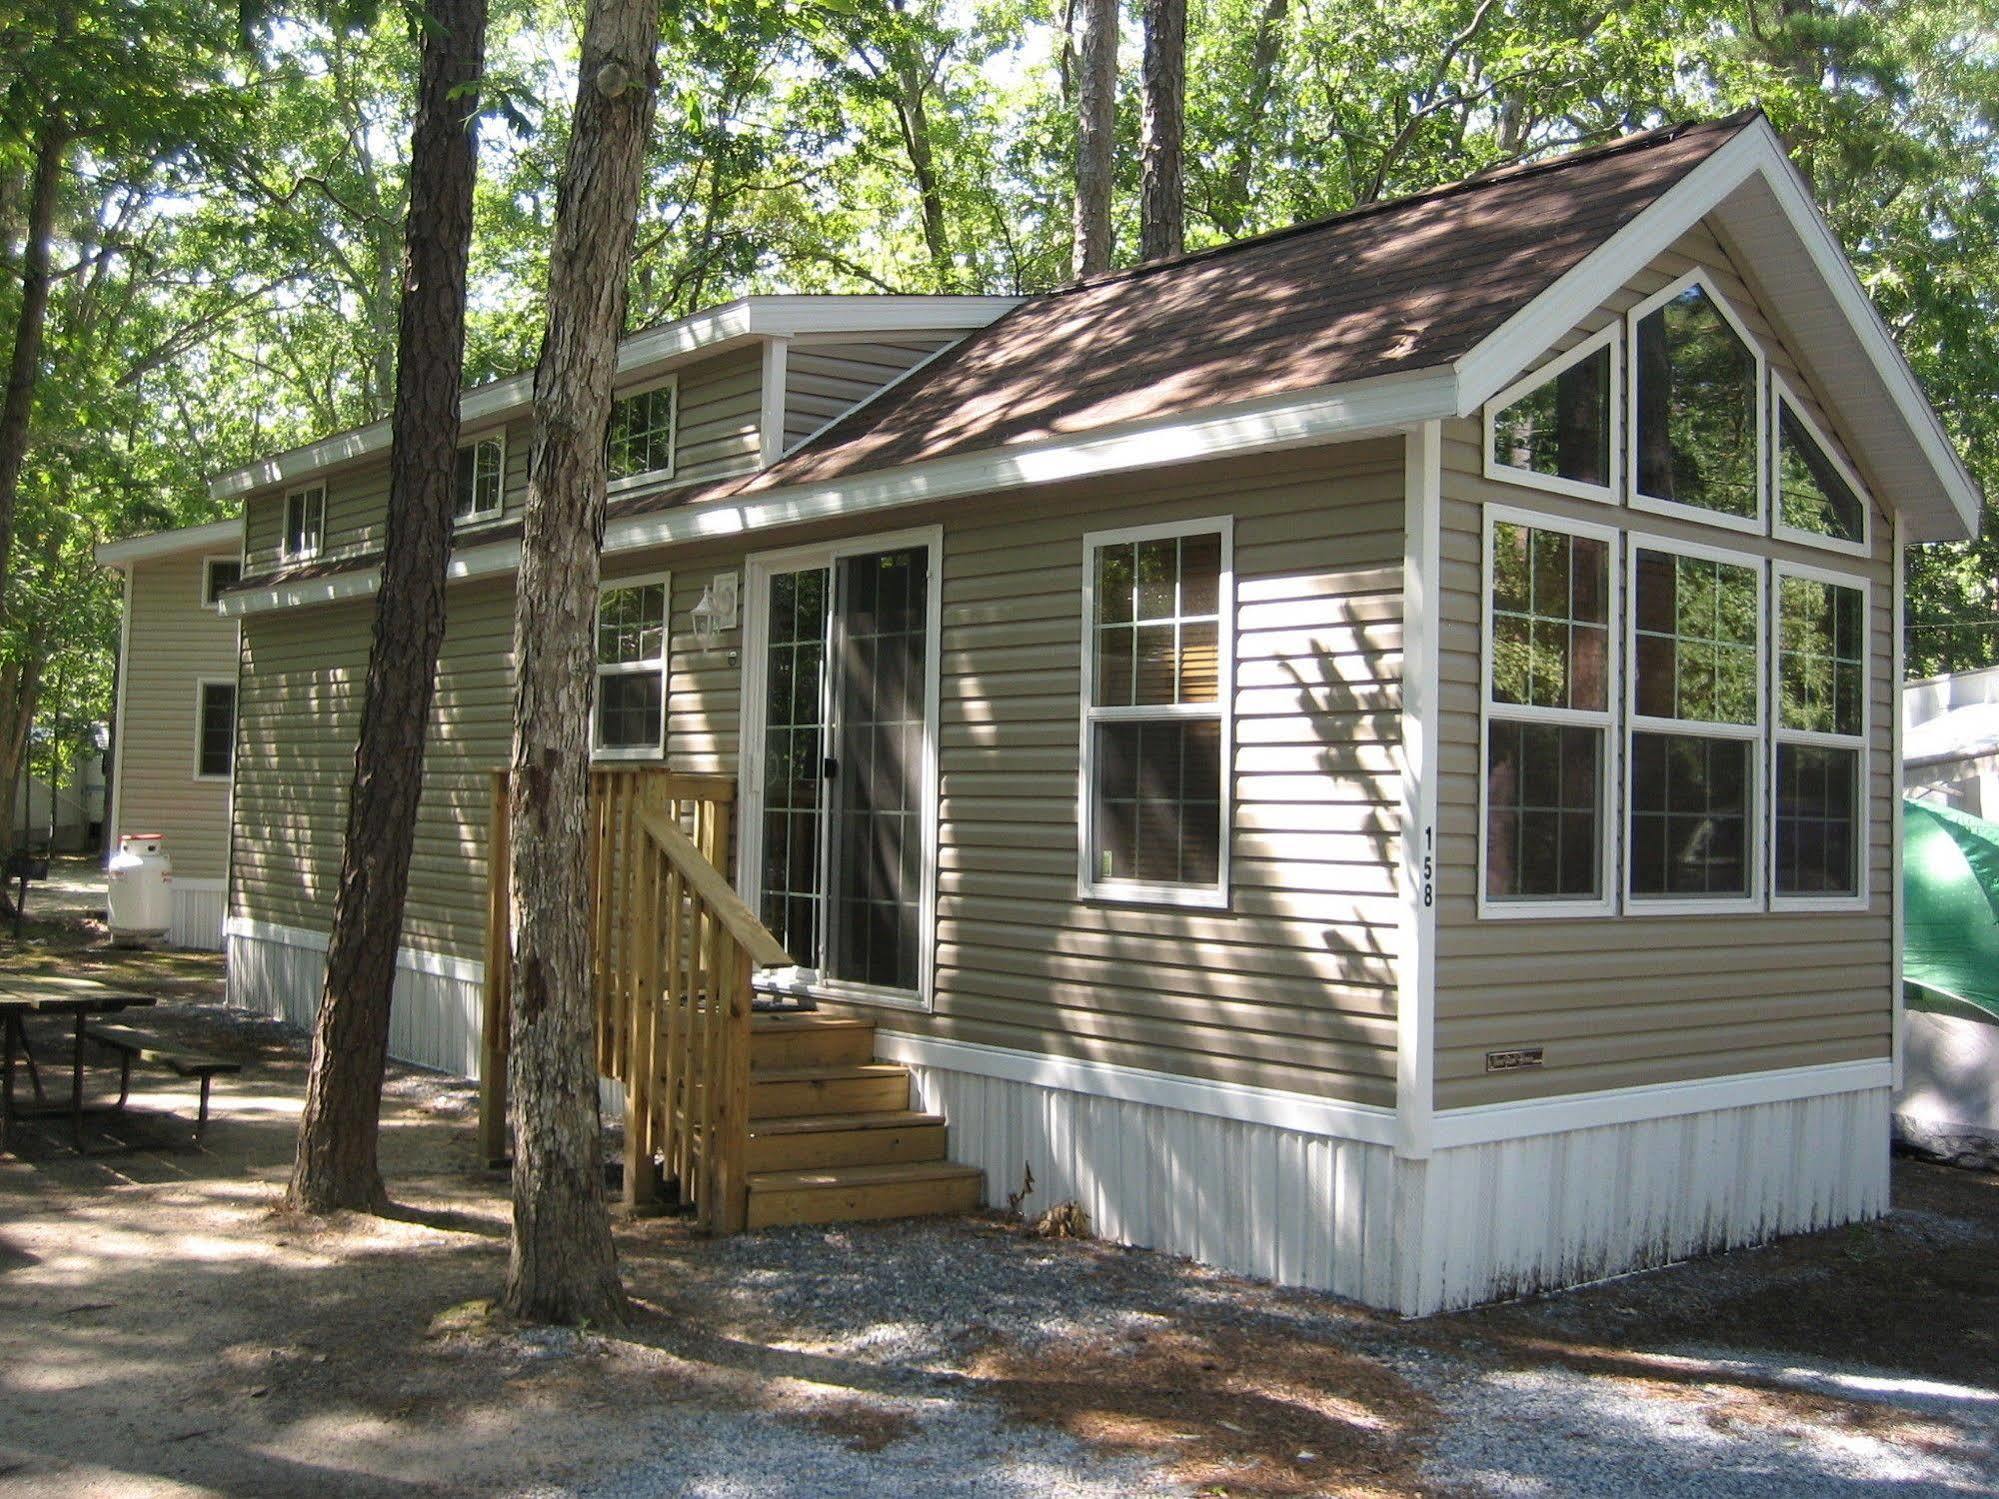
<point>815,1141</point>
<point>850,1193</point>
<point>833,1136</point>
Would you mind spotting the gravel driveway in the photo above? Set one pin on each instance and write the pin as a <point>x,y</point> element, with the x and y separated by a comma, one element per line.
<point>165,1332</point>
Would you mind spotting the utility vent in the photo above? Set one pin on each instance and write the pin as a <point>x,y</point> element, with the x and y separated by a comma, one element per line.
<point>1514,1060</point>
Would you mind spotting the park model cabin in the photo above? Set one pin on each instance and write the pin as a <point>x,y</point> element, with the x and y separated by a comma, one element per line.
<point>1366,756</point>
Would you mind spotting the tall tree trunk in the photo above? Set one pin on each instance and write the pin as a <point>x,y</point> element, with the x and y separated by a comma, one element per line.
<point>20,695</point>
<point>1162,196</point>
<point>336,1166</point>
<point>24,371</point>
<point>563,1266</point>
<point>1232,201</point>
<point>1096,128</point>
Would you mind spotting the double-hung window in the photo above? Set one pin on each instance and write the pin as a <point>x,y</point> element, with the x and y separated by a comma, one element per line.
<point>1549,694</point>
<point>481,471</point>
<point>631,669</point>
<point>1821,737</point>
<point>305,522</point>
<point>1157,664</point>
<point>1696,726</point>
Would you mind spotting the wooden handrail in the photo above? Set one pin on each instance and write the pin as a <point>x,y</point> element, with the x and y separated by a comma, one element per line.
<point>674,952</point>
<point>707,884</point>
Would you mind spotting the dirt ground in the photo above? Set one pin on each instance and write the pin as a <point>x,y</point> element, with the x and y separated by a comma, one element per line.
<point>165,1330</point>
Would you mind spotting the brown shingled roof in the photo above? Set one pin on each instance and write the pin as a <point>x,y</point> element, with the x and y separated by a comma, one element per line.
<point>1397,286</point>
<point>1394,287</point>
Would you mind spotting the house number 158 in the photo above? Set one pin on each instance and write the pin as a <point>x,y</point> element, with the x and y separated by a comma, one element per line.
<point>1429,866</point>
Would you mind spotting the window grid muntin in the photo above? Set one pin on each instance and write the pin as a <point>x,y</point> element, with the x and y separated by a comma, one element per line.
<point>479,487</point>
<point>640,441</point>
<point>632,640</point>
<point>1538,622</point>
<point>1093,883</point>
<point>1719,646</point>
<point>1793,744</point>
<point>215,730</point>
<point>1497,714</point>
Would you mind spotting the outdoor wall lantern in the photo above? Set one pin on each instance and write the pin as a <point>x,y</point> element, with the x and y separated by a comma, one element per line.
<point>715,615</point>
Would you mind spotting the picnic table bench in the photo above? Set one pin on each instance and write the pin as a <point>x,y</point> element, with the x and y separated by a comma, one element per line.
<point>85,1002</point>
<point>136,1046</point>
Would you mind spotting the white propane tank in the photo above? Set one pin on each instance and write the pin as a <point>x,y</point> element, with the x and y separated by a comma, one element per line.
<point>141,894</point>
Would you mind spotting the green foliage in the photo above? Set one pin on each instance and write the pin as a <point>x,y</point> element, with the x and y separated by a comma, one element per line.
<point>230,241</point>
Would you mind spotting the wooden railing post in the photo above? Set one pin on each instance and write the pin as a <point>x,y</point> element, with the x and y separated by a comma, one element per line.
<point>732,1182</point>
<point>495,1014</point>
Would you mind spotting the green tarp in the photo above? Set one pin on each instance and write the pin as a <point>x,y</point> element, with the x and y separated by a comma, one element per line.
<point>1950,881</point>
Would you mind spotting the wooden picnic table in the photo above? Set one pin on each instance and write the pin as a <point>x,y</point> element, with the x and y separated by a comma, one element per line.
<point>22,996</point>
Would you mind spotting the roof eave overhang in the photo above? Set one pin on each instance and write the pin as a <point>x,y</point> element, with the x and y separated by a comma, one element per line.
<point>123,553</point>
<point>1378,407</point>
<point>1819,305</point>
<point>702,334</point>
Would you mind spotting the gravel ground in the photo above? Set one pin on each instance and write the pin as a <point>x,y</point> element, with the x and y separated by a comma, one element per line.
<point>166,1332</point>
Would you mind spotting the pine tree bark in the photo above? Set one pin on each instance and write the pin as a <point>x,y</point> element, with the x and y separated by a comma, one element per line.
<point>1096,129</point>
<point>563,1266</point>
<point>30,320</point>
<point>1162,191</point>
<point>337,1164</point>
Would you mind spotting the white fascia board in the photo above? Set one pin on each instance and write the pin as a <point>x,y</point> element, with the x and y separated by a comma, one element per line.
<point>710,331</point>
<point>1341,413</point>
<point>132,549</point>
<point>1368,408</point>
<point>1754,152</point>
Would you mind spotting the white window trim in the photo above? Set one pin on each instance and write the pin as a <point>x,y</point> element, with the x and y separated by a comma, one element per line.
<point>663,667</point>
<point>1608,338</point>
<point>478,518</point>
<point>1861,742</point>
<point>1756,735</point>
<point>758,570</point>
<point>1130,892</point>
<point>1503,908</point>
<point>201,686</point>
<point>208,599</point>
<point>303,492</point>
<point>1756,524</point>
<point>1783,394</point>
<point>652,475</point>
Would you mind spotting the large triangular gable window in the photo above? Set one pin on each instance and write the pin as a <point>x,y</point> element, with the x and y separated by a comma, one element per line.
<point>1697,407</point>
<point>1556,429</point>
<point>1819,499</point>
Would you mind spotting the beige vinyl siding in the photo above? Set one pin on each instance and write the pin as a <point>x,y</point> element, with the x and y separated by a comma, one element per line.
<point>173,643</point>
<point>822,380</point>
<point>716,433</point>
<point>1646,999</point>
<point>303,672</point>
<point>1292,986</point>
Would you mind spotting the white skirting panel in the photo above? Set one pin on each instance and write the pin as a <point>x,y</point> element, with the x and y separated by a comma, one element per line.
<point>1532,1214</point>
<point>198,909</point>
<point>1300,1208</point>
<point>434,1018</point>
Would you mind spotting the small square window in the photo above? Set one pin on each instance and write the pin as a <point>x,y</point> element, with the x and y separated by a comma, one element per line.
<point>218,574</point>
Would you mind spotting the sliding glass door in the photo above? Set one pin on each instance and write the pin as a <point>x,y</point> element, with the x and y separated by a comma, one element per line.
<point>841,724</point>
